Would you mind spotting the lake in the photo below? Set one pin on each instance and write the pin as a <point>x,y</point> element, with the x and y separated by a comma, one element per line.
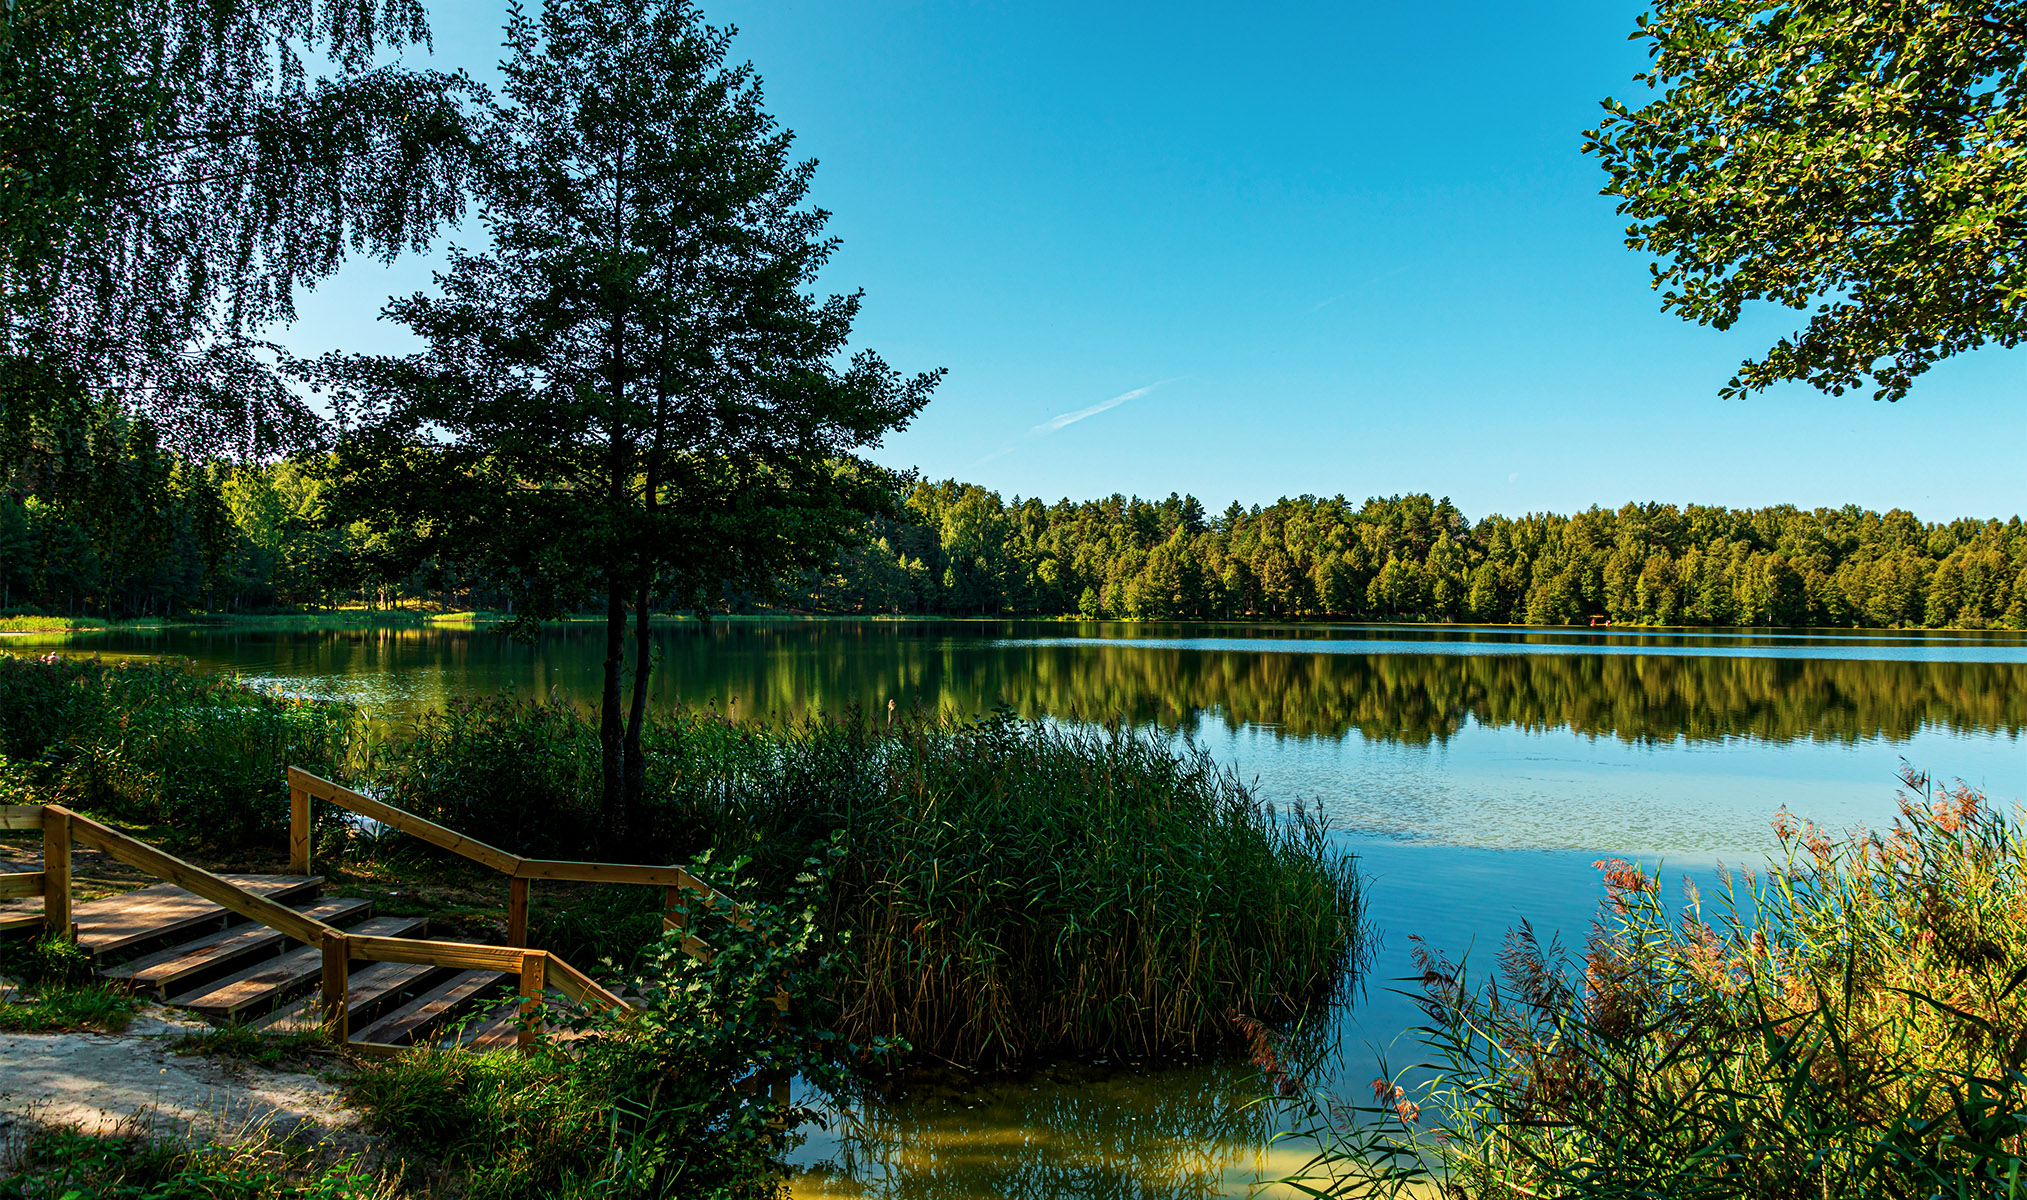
<point>1476,772</point>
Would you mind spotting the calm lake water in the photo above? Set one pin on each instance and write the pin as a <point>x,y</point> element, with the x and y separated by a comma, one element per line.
<point>1477,773</point>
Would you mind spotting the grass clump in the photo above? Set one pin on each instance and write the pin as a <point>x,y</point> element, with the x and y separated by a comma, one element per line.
<point>163,744</point>
<point>60,1164</point>
<point>1848,1024</point>
<point>1011,888</point>
<point>256,1047</point>
<point>69,1008</point>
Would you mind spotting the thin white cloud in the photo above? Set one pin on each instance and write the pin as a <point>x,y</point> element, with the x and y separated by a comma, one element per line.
<point>1071,418</point>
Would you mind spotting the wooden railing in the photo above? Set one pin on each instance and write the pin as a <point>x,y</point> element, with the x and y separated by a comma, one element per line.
<point>536,970</point>
<point>520,872</point>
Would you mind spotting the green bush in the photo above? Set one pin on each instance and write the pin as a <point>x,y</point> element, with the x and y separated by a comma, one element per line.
<point>671,1100</point>
<point>162,743</point>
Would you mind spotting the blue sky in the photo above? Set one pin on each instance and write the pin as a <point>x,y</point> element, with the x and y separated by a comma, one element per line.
<point>1248,253</point>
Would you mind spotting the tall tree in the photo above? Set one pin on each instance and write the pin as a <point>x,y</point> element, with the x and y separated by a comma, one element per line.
<point>172,170</point>
<point>631,392</point>
<point>1860,159</point>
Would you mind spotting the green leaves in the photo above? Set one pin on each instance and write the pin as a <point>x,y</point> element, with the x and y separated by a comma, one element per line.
<point>1865,160</point>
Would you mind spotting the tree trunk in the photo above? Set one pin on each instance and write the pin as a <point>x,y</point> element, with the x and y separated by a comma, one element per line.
<point>613,801</point>
<point>643,666</point>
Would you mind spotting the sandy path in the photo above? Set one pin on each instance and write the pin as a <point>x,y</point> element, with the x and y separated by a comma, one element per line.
<point>99,1084</point>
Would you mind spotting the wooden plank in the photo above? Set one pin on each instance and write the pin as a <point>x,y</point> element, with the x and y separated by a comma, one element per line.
<point>9,922</point>
<point>414,1020</point>
<point>334,978</point>
<point>20,816</point>
<point>532,964</point>
<point>582,988</point>
<point>16,884</point>
<point>299,831</point>
<point>57,831</point>
<point>163,910</point>
<point>517,911</point>
<point>496,1032</point>
<point>462,955</point>
<point>140,855</point>
<point>370,985</point>
<point>167,969</point>
<point>407,822</point>
<point>274,980</point>
<point>375,1049</point>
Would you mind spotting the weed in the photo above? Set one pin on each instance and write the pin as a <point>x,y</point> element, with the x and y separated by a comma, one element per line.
<point>257,1047</point>
<point>67,1008</point>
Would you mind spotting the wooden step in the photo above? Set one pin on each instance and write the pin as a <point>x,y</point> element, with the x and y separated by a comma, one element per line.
<point>420,1017</point>
<point>494,1031</point>
<point>127,923</point>
<point>258,988</point>
<point>367,989</point>
<point>181,967</point>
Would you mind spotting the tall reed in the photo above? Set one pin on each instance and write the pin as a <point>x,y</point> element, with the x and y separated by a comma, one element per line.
<point>163,743</point>
<point>1852,1023</point>
<point>1010,888</point>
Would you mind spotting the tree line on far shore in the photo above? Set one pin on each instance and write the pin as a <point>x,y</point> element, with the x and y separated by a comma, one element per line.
<point>121,526</point>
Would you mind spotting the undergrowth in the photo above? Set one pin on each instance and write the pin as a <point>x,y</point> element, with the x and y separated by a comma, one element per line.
<point>69,1008</point>
<point>60,1164</point>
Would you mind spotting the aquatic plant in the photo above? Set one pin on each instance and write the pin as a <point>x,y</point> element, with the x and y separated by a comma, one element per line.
<point>1846,1024</point>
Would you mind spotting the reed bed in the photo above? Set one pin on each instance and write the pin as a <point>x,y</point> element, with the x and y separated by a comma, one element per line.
<point>1852,1023</point>
<point>1009,889</point>
<point>163,744</point>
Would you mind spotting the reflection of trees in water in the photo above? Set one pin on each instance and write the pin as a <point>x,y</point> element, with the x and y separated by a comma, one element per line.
<point>1399,697</point>
<point>1171,1136</point>
<point>791,667</point>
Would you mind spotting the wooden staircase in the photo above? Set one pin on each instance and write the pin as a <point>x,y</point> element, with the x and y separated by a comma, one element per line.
<point>272,952</point>
<point>190,954</point>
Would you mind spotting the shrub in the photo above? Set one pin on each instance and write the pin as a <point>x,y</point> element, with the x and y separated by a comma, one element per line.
<point>165,744</point>
<point>1847,1025</point>
<point>671,1100</point>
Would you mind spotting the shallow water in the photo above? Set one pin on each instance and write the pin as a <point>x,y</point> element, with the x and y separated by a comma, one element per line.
<point>1477,773</point>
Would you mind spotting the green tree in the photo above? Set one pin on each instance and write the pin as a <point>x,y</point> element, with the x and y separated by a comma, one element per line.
<point>1858,159</point>
<point>170,172</point>
<point>630,394</point>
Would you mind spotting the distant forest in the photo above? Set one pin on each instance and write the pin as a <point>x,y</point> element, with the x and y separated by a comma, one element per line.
<point>118,526</point>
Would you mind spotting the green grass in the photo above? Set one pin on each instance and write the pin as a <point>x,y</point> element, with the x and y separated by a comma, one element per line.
<point>69,1008</point>
<point>256,1047</point>
<point>49,624</point>
<point>60,1164</point>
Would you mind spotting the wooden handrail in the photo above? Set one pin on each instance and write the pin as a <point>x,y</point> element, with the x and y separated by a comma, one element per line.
<point>20,816</point>
<point>141,856</point>
<point>303,785</point>
<point>16,885</point>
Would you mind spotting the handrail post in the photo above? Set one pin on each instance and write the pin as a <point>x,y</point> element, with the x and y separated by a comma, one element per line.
<point>675,915</point>
<point>337,1017</point>
<point>532,982</point>
<point>517,911</point>
<point>56,874</point>
<point>299,831</point>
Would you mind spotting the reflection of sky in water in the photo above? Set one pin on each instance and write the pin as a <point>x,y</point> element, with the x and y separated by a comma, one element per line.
<point>1460,836</point>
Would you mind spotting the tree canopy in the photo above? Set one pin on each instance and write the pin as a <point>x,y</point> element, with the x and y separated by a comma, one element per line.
<point>632,390</point>
<point>171,171</point>
<point>1860,162</point>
